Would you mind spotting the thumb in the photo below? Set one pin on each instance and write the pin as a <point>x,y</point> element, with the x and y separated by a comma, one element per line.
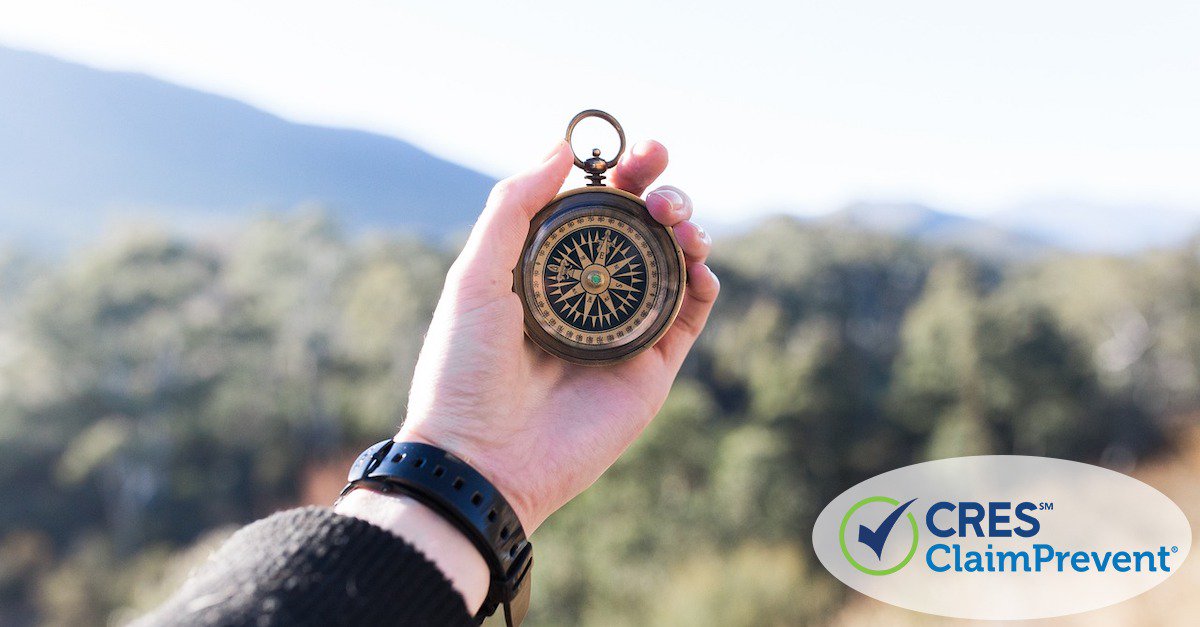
<point>494,247</point>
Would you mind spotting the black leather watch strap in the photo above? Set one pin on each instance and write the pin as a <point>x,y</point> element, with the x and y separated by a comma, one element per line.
<point>461,495</point>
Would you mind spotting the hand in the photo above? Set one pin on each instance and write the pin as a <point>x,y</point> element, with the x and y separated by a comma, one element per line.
<point>542,430</point>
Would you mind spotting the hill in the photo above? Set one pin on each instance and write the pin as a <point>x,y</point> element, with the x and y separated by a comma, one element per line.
<point>80,146</point>
<point>938,228</point>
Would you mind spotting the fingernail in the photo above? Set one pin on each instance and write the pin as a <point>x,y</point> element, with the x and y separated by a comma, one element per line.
<point>670,196</point>
<point>702,233</point>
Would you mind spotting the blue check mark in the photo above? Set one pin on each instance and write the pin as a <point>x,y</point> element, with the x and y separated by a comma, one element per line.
<point>875,538</point>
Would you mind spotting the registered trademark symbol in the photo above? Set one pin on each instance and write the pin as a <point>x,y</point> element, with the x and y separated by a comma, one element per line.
<point>1174,549</point>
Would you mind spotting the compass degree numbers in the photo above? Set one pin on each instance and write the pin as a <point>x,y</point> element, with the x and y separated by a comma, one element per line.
<point>594,280</point>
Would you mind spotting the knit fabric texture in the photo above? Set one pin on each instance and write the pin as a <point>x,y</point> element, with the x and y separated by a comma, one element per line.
<point>311,566</point>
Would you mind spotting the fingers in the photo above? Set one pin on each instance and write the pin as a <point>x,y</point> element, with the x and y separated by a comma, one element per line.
<point>702,289</point>
<point>694,241</point>
<point>638,169</point>
<point>494,247</point>
<point>669,205</point>
<point>673,208</point>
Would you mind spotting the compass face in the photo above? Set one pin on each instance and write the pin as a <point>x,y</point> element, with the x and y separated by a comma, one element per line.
<point>597,275</point>
<point>599,278</point>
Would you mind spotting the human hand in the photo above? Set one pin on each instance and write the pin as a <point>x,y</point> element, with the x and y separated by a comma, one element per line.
<point>539,428</point>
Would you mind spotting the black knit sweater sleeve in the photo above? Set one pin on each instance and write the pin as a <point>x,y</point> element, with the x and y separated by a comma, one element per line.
<point>311,566</point>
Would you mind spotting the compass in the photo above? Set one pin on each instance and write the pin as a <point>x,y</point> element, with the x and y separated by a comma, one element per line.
<point>600,280</point>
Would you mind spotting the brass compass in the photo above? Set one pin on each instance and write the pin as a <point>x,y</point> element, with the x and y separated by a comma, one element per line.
<point>599,278</point>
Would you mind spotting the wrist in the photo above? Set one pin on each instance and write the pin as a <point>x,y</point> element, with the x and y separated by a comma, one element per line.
<point>438,540</point>
<point>457,493</point>
<point>484,464</point>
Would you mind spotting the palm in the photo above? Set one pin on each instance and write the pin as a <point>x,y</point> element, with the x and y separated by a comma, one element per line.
<point>541,428</point>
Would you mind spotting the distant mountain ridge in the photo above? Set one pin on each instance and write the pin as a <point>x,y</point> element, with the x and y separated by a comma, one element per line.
<point>936,228</point>
<point>1094,227</point>
<point>1029,229</point>
<point>79,145</point>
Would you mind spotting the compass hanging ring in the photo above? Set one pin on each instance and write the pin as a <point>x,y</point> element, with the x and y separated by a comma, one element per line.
<point>600,280</point>
<point>596,166</point>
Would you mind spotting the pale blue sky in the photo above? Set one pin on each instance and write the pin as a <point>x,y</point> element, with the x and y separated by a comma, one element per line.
<point>797,106</point>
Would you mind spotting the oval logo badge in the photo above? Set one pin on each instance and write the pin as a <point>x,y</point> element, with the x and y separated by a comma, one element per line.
<point>1002,537</point>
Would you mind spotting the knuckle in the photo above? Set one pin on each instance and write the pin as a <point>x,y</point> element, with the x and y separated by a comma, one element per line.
<point>501,192</point>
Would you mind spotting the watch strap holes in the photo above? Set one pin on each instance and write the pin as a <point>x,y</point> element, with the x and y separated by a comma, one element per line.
<point>465,499</point>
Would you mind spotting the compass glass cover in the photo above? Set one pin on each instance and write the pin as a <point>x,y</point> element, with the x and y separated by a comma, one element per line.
<point>594,278</point>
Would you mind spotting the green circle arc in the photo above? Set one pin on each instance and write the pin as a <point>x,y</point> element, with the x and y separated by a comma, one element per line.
<point>846,551</point>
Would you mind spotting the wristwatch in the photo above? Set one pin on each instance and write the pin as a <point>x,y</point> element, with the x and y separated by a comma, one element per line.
<point>457,492</point>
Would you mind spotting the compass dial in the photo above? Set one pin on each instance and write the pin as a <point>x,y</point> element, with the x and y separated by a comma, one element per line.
<point>598,275</point>
<point>599,282</point>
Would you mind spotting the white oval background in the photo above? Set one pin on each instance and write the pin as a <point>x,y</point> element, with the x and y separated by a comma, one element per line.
<point>1095,509</point>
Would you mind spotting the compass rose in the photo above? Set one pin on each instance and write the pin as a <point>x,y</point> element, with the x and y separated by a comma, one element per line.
<point>595,278</point>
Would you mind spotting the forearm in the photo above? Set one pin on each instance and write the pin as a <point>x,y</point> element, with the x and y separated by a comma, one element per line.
<point>312,566</point>
<point>427,532</point>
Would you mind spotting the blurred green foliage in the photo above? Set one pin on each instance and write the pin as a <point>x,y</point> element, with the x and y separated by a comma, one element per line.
<point>154,388</point>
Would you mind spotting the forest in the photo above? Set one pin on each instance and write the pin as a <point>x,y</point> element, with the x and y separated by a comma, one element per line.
<point>157,390</point>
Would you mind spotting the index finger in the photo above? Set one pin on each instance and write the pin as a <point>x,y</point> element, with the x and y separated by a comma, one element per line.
<point>638,169</point>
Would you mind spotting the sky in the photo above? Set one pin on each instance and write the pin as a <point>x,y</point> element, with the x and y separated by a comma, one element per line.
<point>790,106</point>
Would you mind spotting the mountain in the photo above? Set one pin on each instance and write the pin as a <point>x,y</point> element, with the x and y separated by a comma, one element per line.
<point>1091,227</point>
<point>1029,229</point>
<point>938,228</point>
<point>80,146</point>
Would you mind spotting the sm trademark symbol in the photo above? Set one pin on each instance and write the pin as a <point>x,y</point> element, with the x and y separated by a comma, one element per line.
<point>1046,506</point>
